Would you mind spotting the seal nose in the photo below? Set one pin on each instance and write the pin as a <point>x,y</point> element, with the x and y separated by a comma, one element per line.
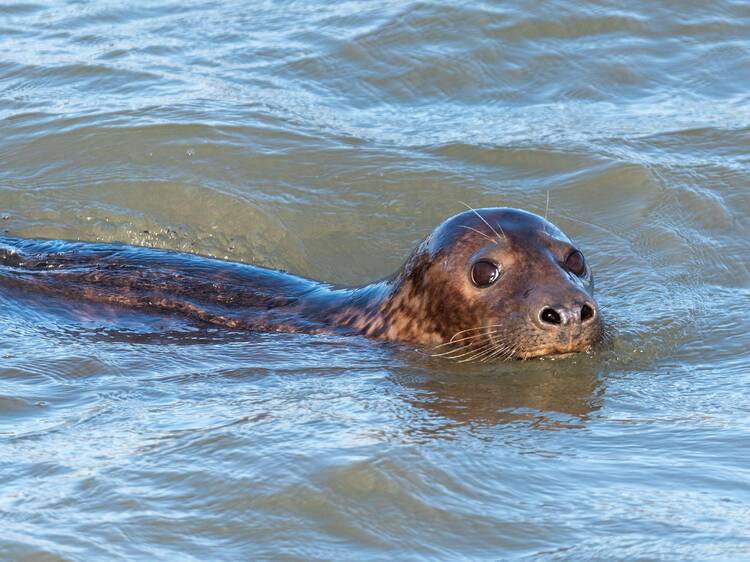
<point>552,317</point>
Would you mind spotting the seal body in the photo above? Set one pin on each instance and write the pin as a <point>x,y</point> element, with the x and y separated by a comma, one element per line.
<point>487,284</point>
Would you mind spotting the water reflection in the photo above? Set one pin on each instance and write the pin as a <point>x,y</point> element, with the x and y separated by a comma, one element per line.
<point>544,394</point>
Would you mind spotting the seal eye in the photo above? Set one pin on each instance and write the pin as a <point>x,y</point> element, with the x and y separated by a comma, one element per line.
<point>484,273</point>
<point>575,263</point>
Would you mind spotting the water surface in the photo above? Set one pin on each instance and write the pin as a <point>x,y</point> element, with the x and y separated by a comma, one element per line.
<point>327,139</point>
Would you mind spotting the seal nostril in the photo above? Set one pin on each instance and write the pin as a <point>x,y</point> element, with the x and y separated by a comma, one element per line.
<point>550,316</point>
<point>587,313</point>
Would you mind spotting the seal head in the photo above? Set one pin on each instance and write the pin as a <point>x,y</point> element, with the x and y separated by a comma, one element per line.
<point>495,283</point>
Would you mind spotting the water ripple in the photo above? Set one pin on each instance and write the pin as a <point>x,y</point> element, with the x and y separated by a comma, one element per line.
<point>328,139</point>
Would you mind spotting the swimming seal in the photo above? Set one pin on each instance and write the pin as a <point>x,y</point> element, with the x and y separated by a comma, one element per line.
<point>493,283</point>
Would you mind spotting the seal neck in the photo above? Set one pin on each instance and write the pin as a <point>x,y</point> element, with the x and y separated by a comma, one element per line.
<point>350,308</point>
<point>399,308</point>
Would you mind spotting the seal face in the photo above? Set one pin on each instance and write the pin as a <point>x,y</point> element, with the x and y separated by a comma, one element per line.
<point>487,284</point>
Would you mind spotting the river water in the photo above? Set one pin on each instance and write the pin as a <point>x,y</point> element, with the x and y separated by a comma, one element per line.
<point>328,138</point>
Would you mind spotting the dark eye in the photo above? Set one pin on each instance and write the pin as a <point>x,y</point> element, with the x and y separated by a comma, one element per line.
<point>575,263</point>
<point>484,273</point>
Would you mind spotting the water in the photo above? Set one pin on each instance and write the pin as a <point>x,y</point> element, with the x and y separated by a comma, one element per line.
<point>327,139</point>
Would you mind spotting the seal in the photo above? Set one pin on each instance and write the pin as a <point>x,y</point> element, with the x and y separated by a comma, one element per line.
<point>486,284</point>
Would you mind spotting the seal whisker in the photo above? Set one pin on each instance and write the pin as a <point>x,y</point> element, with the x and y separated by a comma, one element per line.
<point>455,340</point>
<point>607,335</point>
<point>503,352</point>
<point>477,353</point>
<point>466,349</point>
<point>458,340</point>
<point>459,347</point>
<point>470,352</point>
<point>504,349</point>
<point>496,351</point>
<point>458,359</point>
<point>472,209</point>
<point>471,348</point>
<point>478,232</point>
<point>482,357</point>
